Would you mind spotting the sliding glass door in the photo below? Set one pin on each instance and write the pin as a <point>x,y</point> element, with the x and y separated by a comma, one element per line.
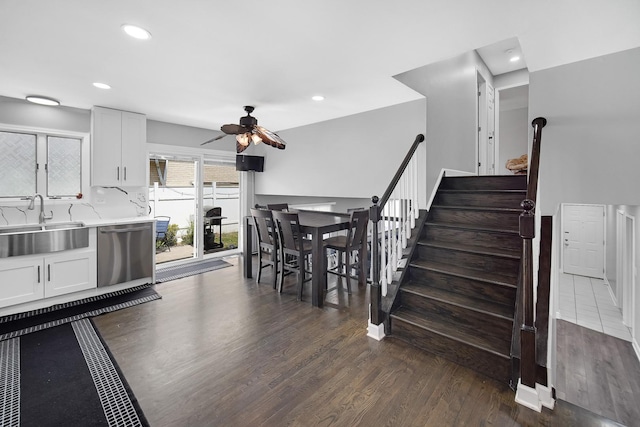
<point>200,197</point>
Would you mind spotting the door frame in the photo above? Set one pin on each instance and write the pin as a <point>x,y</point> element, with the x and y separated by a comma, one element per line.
<point>496,133</point>
<point>199,156</point>
<point>625,269</point>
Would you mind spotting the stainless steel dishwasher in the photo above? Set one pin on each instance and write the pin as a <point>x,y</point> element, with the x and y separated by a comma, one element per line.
<point>125,253</point>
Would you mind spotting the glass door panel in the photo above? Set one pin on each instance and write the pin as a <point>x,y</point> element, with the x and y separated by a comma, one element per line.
<point>221,205</point>
<point>173,193</point>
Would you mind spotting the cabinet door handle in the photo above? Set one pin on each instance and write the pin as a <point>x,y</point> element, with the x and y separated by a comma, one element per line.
<point>125,173</point>
<point>48,272</point>
<point>38,274</point>
<point>118,173</point>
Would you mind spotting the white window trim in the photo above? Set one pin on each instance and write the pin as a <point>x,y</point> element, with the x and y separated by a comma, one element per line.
<point>85,160</point>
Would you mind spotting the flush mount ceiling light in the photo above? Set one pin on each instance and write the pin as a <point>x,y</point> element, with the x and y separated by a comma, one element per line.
<point>42,100</point>
<point>136,32</point>
<point>101,85</point>
<point>513,57</point>
<point>318,98</point>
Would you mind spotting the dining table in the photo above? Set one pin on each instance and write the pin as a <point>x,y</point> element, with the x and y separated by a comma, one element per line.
<point>313,223</point>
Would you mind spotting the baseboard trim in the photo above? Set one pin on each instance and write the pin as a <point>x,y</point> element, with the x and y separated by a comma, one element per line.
<point>636,347</point>
<point>535,397</point>
<point>375,331</point>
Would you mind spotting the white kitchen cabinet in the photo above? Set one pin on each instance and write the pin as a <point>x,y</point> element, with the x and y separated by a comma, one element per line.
<point>21,280</point>
<point>70,271</point>
<point>118,148</point>
<point>33,277</point>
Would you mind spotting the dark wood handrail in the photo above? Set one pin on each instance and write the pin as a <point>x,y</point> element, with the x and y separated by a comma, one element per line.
<point>392,185</point>
<point>534,166</point>
<point>527,233</point>
<point>377,316</point>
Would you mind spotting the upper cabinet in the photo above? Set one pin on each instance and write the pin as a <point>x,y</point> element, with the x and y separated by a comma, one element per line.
<point>118,148</point>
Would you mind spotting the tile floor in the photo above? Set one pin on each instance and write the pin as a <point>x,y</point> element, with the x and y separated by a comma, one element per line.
<point>587,302</point>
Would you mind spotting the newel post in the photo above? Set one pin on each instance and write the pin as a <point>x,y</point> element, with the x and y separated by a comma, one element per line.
<point>527,329</point>
<point>376,317</point>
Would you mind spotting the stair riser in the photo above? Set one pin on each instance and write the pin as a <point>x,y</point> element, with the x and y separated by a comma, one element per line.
<point>511,243</point>
<point>485,183</point>
<point>501,266</point>
<point>487,363</point>
<point>507,221</point>
<point>497,327</point>
<point>489,200</point>
<point>473,288</point>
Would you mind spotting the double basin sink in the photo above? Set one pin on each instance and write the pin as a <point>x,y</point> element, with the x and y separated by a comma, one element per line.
<point>33,239</point>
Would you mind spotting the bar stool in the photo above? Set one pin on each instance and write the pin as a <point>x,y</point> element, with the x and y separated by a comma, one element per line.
<point>355,240</point>
<point>294,250</point>
<point>267,241</point>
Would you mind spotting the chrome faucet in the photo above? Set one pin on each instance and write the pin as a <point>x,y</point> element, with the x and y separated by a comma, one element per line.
<point>42,218</point>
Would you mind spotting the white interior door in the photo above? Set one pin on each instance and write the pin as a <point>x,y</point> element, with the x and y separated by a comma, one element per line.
<point>491,131</point>
<point>482,125</point>
<point>583,240</point>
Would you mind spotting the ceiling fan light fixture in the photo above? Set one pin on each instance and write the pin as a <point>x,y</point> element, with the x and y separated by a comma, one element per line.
<point>256,139</point>
<point>243,139</point>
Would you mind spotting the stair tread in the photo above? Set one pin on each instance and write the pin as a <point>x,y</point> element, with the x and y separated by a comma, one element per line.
<point>478,208</point>
<point>483,306</point>
<point>500,348</point>
<point>469,273</point>
<point>471,227</point>
<point>484,250</point>
<point>497,190</point>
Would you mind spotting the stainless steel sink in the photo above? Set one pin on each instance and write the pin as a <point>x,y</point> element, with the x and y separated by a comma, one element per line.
<point>42,238</point>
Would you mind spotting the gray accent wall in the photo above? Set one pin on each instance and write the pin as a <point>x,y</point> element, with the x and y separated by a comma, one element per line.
<point>450,87</point>
<point>591,144</point>
<point>351,157</point>
<point>19,112</point>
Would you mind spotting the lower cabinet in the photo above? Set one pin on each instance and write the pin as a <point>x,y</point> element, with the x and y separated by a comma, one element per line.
<point>29,278</point>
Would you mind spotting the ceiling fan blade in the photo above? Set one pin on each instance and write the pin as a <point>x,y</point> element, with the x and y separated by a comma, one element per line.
<point>232,129</point>
<point>240,148</point>
<point>270,138</point>
<point>214,139</point>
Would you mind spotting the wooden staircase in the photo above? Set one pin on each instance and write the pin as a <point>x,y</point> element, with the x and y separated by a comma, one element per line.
<point>457,298</point>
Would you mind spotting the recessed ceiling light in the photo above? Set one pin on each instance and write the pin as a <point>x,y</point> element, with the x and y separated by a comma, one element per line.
<point>136,32</point>
<point>318,98</point>
<point>515,58</point>
<point>42,100</point>
<point>101,85</point>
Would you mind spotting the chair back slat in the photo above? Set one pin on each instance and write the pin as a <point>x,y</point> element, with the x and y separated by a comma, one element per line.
<point>263,220</point>
<point>357,234</point>
<point>278,207</point>
<point>288,226</point>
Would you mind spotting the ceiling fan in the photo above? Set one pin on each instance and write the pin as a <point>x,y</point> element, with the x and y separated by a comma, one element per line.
<point>249,131</point>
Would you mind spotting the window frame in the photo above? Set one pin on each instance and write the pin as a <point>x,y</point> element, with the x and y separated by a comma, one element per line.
<point>42,159</point>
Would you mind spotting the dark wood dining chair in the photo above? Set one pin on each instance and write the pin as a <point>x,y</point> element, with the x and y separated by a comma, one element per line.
<point>278,207</point>
<point>294,249</point>
<point>354,240</point>
<point>267,241</point>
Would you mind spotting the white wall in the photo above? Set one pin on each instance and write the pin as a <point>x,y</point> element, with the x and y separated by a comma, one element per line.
<point>514,133</point>
<point>450,87</point>
<point>187,136</point>
<point>612,242</point>
<point>591,144</point>
<point>350,157</point>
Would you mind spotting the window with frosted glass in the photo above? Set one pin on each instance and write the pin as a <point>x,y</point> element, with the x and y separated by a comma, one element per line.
<point>17,164</point>
<point>63,166</point>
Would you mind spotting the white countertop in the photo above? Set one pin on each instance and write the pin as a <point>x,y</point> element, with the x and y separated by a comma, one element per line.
<point>116,221</point>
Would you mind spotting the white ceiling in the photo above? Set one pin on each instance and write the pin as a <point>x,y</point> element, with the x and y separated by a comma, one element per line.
<point>207,59</point>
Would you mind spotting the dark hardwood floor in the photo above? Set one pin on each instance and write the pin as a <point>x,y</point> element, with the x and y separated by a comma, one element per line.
<point>599,372</point>
<point>221,350</point>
